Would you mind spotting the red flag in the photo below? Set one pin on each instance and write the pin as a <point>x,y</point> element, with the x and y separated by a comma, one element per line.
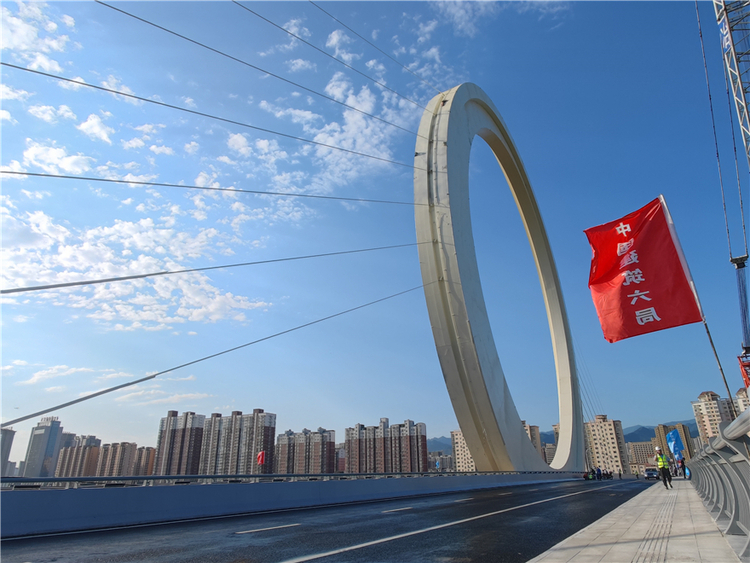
<point>639,278</point>
<point>261,458</point>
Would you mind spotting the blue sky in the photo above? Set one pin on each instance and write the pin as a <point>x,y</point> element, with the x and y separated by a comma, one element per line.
<point>607,105</point>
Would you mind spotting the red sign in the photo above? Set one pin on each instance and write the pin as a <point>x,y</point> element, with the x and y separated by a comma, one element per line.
<point>639,278</point>
<point>261,458</point>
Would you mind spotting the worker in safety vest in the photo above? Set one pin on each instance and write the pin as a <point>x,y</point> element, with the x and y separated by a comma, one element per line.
<point>662,462</point>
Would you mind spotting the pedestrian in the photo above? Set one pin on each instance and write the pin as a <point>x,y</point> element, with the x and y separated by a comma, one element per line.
<point>619,473</point>
<point>598,473</point>
<point>636,474</point>
<point>662,462</point>
<point>682,467</point>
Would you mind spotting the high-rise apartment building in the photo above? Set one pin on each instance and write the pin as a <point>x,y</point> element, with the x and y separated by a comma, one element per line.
<point>6,443</point>
<point>178,445</point>
<point>77,461</point>
<point>80,459</point>
<point>605,445</point>
<point>43,449</point>
<point>549,452</point>
<point>641,453</point>
<point>440,462</point>
<point>144,461</point>
<point>117,460</point>
<point>231,444</point>
<point>536,440</point>
<point>741,400</point>
<point>660,439</point>
<point>710,410</point>
<point>365,454</point>
<point>408,447</point>
<point>341,458</point>
<point>401,448</point>
<point>306,452</point>
<point>461,455</point>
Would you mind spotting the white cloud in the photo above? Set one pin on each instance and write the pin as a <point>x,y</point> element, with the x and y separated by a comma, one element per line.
<point>134,143</point>
<point>189,102</point>
<point>238,143</point>
<point>40,61</point>
<point>54,159</point>
<point>9,93</point>
<point>6,116</point>
<point>301,116</point>
<point>226,160</point>
<point>50,373</point>
<point>337,41</point>
<point>76,84</point>
<point>192,147</point>
<point>94,127</point>
<point>293,26</point>
<point>14,166</point>
<point>161,150</point>
<point>68,21</point>
<point>35,195</point>
<point>425,30</point>
<point>50,114</point>
<point>114,83</point>
<point>465,16</point>
<point>57,389</point>
<point>115,375</point>
<point>150,128</point>
<point>297,65</point>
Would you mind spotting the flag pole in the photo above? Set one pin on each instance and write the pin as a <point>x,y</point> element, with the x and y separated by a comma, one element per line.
<point>689,276</point>
<point>724,377</point>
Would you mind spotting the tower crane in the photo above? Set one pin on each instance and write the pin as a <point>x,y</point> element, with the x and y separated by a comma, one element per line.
<point>733,19</point>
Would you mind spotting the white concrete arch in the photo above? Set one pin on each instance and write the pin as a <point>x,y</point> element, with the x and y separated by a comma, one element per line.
<point>461,328</point>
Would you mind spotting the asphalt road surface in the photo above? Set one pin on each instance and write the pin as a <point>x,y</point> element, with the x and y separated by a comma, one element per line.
<point>505,524</point>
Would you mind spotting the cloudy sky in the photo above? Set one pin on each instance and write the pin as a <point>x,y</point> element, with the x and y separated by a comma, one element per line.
<point>606,102</point>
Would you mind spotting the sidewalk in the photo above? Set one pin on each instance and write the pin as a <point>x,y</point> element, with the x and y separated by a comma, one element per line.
<point>656,525</point>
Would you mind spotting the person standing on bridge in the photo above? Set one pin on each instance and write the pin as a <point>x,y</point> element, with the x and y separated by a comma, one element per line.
<point>662,462</point>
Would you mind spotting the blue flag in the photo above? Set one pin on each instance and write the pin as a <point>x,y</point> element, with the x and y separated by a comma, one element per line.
<point>675,444</point>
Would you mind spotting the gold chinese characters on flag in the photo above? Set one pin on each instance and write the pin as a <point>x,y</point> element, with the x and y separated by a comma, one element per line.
<point>639,279</point>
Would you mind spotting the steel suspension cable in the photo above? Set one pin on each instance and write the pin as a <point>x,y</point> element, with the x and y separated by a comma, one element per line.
<point>269,73</point>
<point>204,269</point>
<point>213,188</point>
<point>406,68</point>
<point>203,359</point>
<point>381,84</point>
<point>713,126</point>
<point>209,116</point>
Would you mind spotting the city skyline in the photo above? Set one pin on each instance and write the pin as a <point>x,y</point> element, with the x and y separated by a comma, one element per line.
<point>596,142</point>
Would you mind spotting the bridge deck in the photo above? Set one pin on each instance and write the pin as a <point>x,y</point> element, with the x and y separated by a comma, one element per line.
<point>656,525</point>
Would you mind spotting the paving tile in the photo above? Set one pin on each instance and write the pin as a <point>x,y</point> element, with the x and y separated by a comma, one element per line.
<point>656,525</point>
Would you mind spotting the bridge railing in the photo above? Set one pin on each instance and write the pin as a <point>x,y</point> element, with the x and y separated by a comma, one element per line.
<point>721,475</point>
<point>36,483</point>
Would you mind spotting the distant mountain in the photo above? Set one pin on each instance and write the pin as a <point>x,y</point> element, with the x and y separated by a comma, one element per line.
<point>639,433</point>
<point>440,444</point>
<point>645,433</point>
<point>636,433</point>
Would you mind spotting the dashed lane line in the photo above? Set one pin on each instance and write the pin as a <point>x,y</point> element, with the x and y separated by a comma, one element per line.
<point>266,529</point>
<point>304,558</point>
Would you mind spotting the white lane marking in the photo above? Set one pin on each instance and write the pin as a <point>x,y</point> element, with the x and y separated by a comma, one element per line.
<point>304,558</point>
<point>397,509</point>
<point>464,499</point>
<point>532,490</point>
<point>266,529</point>
<point>503,494</point>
